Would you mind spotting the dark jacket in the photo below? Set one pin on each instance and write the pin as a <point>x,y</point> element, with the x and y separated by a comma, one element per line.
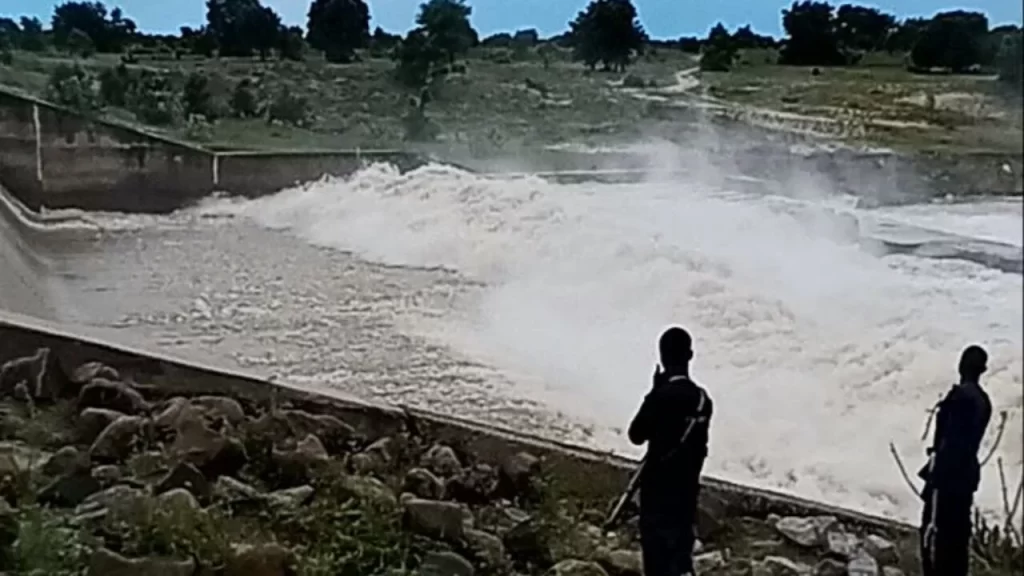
<point>960,424</point>
<point>672,471</point>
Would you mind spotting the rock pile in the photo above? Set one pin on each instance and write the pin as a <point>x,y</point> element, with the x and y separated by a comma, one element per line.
<point>102,472</point>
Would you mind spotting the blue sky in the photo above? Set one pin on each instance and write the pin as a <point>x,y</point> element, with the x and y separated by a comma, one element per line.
<point>661,18</point>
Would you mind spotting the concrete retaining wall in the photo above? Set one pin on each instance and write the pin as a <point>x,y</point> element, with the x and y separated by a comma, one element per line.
<point>604,474</point>
<point>54,157</point>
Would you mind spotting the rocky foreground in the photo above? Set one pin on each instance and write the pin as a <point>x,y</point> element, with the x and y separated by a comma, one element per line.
<point>106,476</point>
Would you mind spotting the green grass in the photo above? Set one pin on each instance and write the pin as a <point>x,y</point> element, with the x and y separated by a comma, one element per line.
<point>491,109</point>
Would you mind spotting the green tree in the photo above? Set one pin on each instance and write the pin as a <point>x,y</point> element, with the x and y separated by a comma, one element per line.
<point>291,46</point>
<point>338,28</point>
<point>1010,59</point>
<point>954,40</point>
<point>383,42</point>
<point>197,98</point>
<point>745,38</point>
<point>225,19</point>
<point>80,44</point>
<point>812,40</point>
<point>905,35</point>
<point>72,86</point>
<point>863,28</point>
<point>261,28</point>
<point>720,50</point>
<point>416,56</point>
<point>607,31</point>
<point>32,37</point>
<point>446,24</point>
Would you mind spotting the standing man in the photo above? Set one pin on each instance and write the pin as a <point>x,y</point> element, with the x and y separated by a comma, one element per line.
<point>953,472</point>
<point>673,420</point>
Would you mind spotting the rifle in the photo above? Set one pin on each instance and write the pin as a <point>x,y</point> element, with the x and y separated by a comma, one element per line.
<point>634,480</point>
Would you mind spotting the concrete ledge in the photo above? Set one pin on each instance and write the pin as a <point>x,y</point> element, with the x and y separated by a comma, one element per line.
<point>601,473</point>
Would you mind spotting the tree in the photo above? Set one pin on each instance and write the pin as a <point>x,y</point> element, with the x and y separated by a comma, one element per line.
<point>225,20</point>
<point>690,44</point>
<point>812,37</point>
<point>745,39</point>
<point>383,42</point>
<point>338,28</point>
<point>89,18</point>
<point>120,31</point>
<point>862,28</point>
<point>416,55</point>
<point>953,40</point>
<point>905,35</point>
<point>447,27</point>
<point>32,38</point>
<point>607,31</point>
<point>719,50</point>
<point>261,28</point>
<point>1010,58</point>
<point>291,46</point>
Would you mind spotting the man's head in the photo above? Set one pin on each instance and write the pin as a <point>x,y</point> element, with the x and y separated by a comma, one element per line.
<point>973,362</point>
<point>676,347</point>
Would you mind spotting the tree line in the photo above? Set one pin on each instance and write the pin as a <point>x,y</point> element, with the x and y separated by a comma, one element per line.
<point>606,33</point>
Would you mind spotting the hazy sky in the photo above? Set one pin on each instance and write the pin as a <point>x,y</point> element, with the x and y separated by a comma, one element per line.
<point>661,18</point>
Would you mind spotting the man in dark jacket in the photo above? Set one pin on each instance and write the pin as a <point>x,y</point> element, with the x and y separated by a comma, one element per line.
<point>673,420</point>
<point>953,472</point>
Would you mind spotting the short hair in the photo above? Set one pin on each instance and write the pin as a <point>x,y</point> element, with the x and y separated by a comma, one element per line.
<point>973,361</point>
<point>675,346</point>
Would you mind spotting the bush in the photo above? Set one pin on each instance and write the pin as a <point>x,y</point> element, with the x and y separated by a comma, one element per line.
<point>74,87</point>
<point>244,102</point>
<point>198,129</point>
<point>717,59</point>
<point>288,108</point>
<point>156,101</point>
<point>80,44</point>
<point>197,98</point>
<point>116,84</point>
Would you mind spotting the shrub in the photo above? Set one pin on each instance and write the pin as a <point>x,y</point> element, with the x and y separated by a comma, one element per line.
<point>116,84</point>
<point>244,102</point>
<point>197,98</point>
<point>288,108</point>
<point>156,101</point>
<point>80,44</point>
<point>74,87</point>
<point>717,59</point>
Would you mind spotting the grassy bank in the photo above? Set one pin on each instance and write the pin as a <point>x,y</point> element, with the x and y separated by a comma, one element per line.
<point>502,101</point>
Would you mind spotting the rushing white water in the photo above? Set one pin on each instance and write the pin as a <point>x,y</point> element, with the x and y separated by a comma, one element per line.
<point>816,353</point>
<point>998,221</point>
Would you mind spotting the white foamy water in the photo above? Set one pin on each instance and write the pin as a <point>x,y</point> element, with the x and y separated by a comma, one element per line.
<point>998,221</point>
<point>816,353</point>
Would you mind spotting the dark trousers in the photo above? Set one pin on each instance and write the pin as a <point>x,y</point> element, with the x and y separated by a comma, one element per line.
<point>667,536</point>
<point>946,532</point>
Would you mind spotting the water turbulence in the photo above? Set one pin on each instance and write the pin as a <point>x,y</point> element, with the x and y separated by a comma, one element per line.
<point>816,352</point>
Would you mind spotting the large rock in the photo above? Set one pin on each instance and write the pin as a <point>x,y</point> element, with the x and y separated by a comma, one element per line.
<point>235,491</point>
<point>709,561</point>
<point>779,566</point>
<point>260,560</point>
<point>830,567</point>
<point>110,395</point>
<point>118,440</point>
<point>215,407</point>
<point>517,472</point>
<point>186,476</point>
<point>298,465</point>
<point>69,490</point>
<point>92,370</point>
<point>297,424</point>
<point>173,413</point>
<point>476,485</point>
<point>212,452</point>
<point>107,563</point>
<point>623,563</point>
<point>842,544</point>
<point>862,565</point>
<point>527,544</point>
<point>435,519</point>
<point>445,564</point>
<point>576,568</point>
<point>367,489</point>
<point>423,483</point>
<point>107,475</point>
<point>806,531</point>
<point>65,461</point>
<point>881,549</point>
<point>486,548</point>
<point>178,501</point>
<point>93,421</point>
<point>120,500</point>
<point>441,460</point>
<point>291,498</point>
